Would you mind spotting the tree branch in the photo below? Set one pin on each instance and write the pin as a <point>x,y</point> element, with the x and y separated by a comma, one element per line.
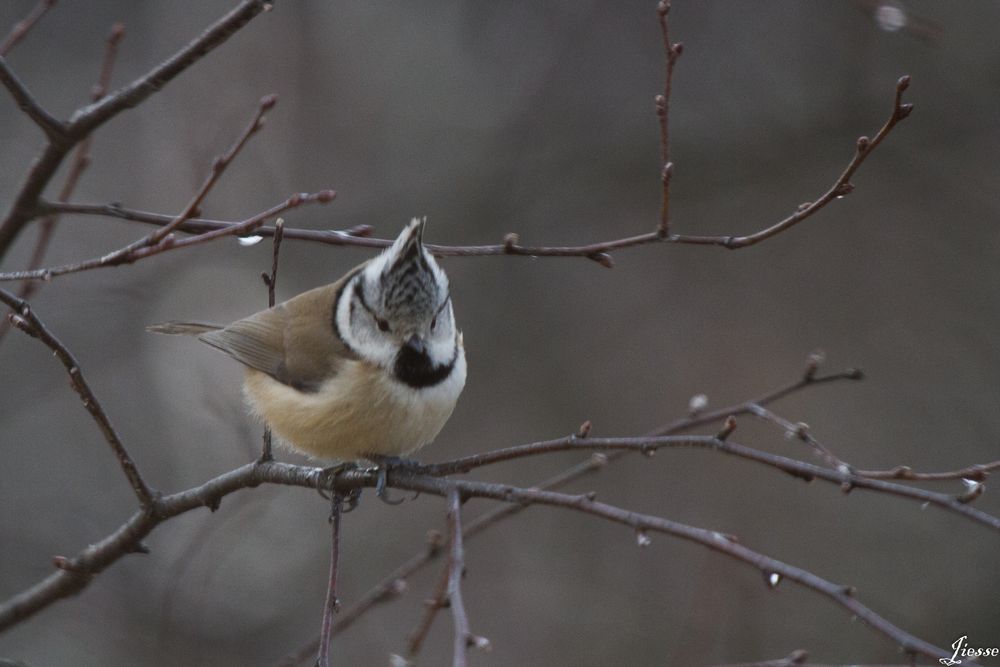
<point>139,250</point>
<point>25,319</point>
<point>598,252</point>
<point>393,584</point>
<point>84,121</point>
<point>727,545</point>
<point>81,161</point>
<point>840,188</point>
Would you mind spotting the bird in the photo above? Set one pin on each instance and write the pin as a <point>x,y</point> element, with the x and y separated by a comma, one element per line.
<point>368,367</point>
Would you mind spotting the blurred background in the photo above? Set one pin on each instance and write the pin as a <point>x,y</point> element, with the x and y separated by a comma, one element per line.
<point>538,119</point>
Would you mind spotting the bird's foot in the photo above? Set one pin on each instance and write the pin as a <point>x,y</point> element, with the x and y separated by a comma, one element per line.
<point>326,477</point>
<point>384,463</point>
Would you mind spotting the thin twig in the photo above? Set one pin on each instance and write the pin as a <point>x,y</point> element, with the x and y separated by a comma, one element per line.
<point>332,605</point>
<point>24,26</point>
<point>81,160</point>
<point>139,250</point>
<point>671,52</point>
<point>432,605</point>
<point>218,167</point>
<point>801,431</point>
<point>62,137</point>
<point>456,568</point>
<point>25,319</point>
<point>271,281</point>
<point>840,188</point>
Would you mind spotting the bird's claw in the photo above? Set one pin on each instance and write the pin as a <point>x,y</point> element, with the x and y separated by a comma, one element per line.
<point>384,463</point>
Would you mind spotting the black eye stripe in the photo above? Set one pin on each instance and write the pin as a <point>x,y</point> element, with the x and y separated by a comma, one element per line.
<point>442,306</point>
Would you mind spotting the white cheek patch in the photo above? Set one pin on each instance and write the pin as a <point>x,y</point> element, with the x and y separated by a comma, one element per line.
<point>357,329</point>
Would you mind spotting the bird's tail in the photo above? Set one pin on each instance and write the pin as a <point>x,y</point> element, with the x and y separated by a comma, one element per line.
<point>182,328</point>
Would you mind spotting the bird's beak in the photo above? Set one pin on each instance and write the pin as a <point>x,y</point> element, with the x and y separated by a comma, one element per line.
<point>415,345</point>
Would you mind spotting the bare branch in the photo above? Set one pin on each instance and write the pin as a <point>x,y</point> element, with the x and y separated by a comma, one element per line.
<point>24,26</point>
<point>806,471</point>
<point>218,168</point>
<point>671,52</point>
<point>25,319</point>
<point>62,137</point>
<point>727,545</point>
<point>389,587</point>
<point>840,188</point>
<point>139,250</point>
<point>81,161</point>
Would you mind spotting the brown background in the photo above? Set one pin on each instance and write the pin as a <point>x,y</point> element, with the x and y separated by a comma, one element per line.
<point>491,118</point>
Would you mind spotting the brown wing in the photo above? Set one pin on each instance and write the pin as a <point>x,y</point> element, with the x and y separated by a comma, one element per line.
<point>293,342</point>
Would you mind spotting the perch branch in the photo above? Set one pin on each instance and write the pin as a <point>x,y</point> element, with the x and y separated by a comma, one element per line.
<point>390,587</point>
<point>75,573</point>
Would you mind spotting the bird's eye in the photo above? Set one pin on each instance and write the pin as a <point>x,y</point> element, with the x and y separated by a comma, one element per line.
<point>383,325</point>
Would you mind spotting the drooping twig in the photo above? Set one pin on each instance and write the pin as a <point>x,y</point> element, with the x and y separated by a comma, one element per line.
<point>671,52</point>
<point>25,319</point>
<point>24,26</point>
<point>81,161</point>
<point>332,602</point>
<point>271,280</point>
<point>456,568</point>
<point>64,136</point>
